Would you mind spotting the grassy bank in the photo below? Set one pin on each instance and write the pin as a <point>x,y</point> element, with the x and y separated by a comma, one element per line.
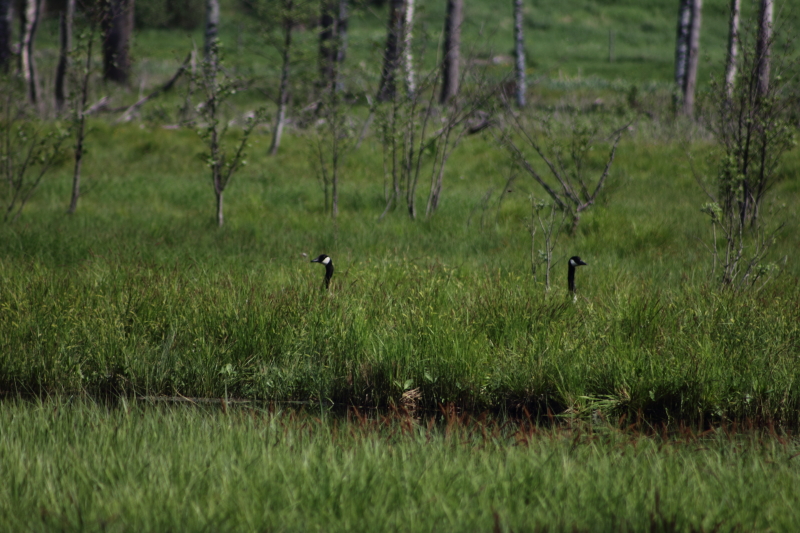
<point>75,466</point>
<point>140,294</point>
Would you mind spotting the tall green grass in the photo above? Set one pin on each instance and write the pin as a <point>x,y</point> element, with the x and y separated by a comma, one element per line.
<point>70,465</point>
<point>140,294</point>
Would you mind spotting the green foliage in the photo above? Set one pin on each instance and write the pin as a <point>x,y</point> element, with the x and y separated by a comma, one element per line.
<point>169,14</point>
<point>29,148</point>
<point>78,466</point>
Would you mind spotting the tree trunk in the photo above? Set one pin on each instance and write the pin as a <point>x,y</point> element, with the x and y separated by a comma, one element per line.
<point>408,58</point>
<point>693,59</point>
<point>391,54</point>
<point>327,47</point>
<point>682,43</point>
<point>80,119</point>
<point>733,48</point>
<point>332,41</point>
<point>117,28</point>
<point>212,28</point>
<point>519,52</point>
<point>30,21</point>
<point>220,217</point>
<point>65,45</point>
<point>452,50</point>
<point>342,22</point>
<point>283,92</point>
<point>763,46</point>
<point>6,8</point>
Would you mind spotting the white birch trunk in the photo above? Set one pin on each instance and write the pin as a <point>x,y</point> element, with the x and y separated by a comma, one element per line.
<point>27,63</point>
<point>212,29</point>
<point>682,44</point>
<point>408,58</point>
<point>693,60</point>
<point>733,48</point>
<point>764,45</point>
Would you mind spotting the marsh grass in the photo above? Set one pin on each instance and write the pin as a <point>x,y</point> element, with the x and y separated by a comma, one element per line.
<point>138,293</point>
<point>72,465</point>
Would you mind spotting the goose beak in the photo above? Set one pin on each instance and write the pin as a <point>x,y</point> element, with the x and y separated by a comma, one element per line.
<point>583,263</point>
<point>314,261</point>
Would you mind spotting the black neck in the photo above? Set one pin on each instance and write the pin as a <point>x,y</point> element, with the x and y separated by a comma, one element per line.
<point>571,278</point>
<point>328,273</point>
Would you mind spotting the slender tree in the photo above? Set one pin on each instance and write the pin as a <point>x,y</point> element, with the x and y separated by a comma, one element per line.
<point>391,53</point>
<point>682,43</point>
<point>327,46</point>
<point>211,31</point>
<point>733,47</point>
<point>6,8</point>
<point>79,110</point>
<point>519,53</point>
<point>117,29</point>
<point>342,24</point>
<point>408,57</point>
<point>764,46</point>
<point>30,22</point>
<point>283,91</point>
<point>693,59</point>
<point>65,18</point>
<point>332,41</point>
<point>452,49</point>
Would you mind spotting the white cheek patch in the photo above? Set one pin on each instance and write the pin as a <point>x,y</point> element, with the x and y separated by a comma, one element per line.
<point>572,262</point>
<point>326,260</point>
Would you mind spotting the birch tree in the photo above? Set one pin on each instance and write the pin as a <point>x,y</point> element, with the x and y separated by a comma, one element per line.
<point>332,41</point>
<point>764,46</point>
<point>211,31</point>
<point>30,22</point>
<point>519,53</point>
<point>65,18</point>
<point>283,89</point>
<point>682,43</point>
<point>733,47</point>
<point>392,50</point>
<point>451,50</point>
<point>408,56</point>
<point>693,59</point>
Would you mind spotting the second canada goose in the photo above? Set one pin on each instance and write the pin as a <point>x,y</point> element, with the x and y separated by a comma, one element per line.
<point>325,260</point>
<point>574,262</point>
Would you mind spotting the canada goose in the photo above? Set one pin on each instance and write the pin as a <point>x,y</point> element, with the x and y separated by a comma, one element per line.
<point>574,262</point>
<point>325,260</point>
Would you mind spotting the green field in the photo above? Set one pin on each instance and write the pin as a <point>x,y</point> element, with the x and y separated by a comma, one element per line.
<point>70,465</point>
<point>160,373</point>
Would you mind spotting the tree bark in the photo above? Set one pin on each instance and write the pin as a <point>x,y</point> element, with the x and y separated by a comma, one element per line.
<point>6,8</point>
<point>408,58</point>
<point>391,54</point>
<point>80,119</point>
<point>452,49</point>
<point>733,48</point>
<point>327,47</point>
<point>220,216</point>
<point>283,91</point>
<point>764,46</point>
<point>211,31</point>
<point>342,23</point>
<point>693,59</point>
<point>65,45</point>
<point>682,43</point>
<point>519,53</point>
<point>30,22</point>
<point>117,28</point>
